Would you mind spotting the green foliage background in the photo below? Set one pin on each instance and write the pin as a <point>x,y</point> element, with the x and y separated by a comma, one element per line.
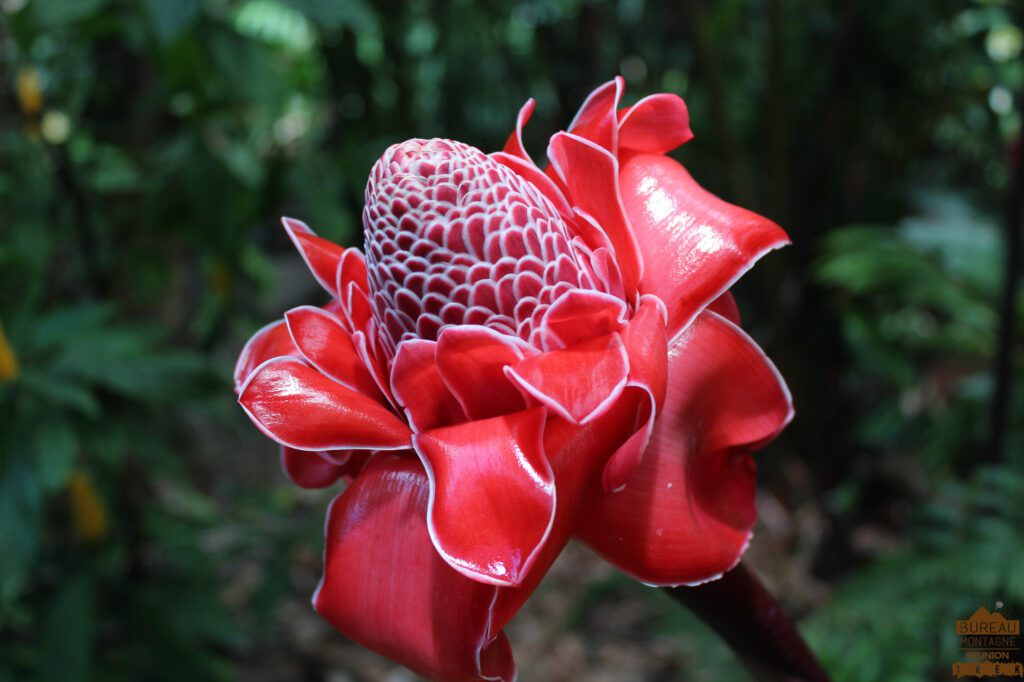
<point>148,147</point>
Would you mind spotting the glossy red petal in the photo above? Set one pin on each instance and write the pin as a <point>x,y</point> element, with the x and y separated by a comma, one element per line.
<point>744,396</point>
<point>351,270</point>
<point>299,407</point>
<point>387,588</point>
<point>272,341</point>
<point>590,231</point>
<point>576,455</point>
<point>472,360</point>
<point>694,244</point>
<point>603,264</point>
<point>686,513</point>
<point>590,174</point>
<point>725,305</point>
<point>579,383</point>
<point>367,347</point>
<point>596,120</point>
<point>417,385</point>
<point>647,348</point>
<point>358,311</point>
<point>580,315</point>
<point>309,469</point>
<point>514,144</point>
<point>321,256</point>
<point>621,465</point>
<point>655,125</point>
<point>323,341</point>
<point>556,179</point>
<point>492,498</point>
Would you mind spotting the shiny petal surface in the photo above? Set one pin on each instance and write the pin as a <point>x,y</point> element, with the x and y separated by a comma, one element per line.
<point>580,382</point>
<point>493,494</point>
<point>387,588</point>
<point>686,513</point>
<point>590,173</point>
<point>419,388</point>
<point>272,341</point>
<point>299,407</point>
<point>576,455</point>
<point>472,360</point>
<point>646,346</point>
<point>320,255</point>
<point>309,469</point>
<point>694,244</point>
<point>655,125</point>
<point>323,341</point>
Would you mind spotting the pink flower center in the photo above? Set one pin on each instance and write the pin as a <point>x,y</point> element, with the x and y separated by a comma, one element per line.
<point>453,237</point>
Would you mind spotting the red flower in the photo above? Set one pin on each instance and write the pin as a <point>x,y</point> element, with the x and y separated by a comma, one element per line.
<point>523,357</point>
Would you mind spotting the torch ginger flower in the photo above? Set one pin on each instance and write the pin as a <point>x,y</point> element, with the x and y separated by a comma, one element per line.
<point>522,356</point>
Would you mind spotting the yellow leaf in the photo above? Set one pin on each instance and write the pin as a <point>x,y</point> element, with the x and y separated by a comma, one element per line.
<point>8,360</point>
<point>88,514</point>
<point>30,91</point>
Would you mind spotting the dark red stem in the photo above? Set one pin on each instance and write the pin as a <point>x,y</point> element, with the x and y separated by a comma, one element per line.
<point>742,611</point>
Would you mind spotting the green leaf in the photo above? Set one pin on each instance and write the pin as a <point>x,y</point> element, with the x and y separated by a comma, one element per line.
<point>20,512</point>
<point>113,171</point>
<point>55,450</point>
<point>68,632</point>
<point>354,14</point>
<point>276,24</point>
<point>170,17</point>
<point>244,163</point>
<point>62,392</point>
<point>235,59</point>
<point>65,324</point>
<point>122,359</point>
<point>57,13</point>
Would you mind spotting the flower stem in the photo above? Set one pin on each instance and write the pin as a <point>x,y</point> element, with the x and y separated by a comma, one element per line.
<point>742,611</point>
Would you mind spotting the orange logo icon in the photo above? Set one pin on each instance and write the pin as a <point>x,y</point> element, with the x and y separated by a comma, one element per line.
<point>991,644</point>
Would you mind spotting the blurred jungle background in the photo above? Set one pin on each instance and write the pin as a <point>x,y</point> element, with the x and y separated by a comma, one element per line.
<point>148,147</point>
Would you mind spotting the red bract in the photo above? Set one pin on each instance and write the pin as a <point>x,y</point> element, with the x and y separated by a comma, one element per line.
<point>523,357</point>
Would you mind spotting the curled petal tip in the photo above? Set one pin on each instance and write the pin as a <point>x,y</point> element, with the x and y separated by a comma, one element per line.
<point>295,225</point>
<point>321,256</point>
<point>694,245</point>
<point>271,341</point>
